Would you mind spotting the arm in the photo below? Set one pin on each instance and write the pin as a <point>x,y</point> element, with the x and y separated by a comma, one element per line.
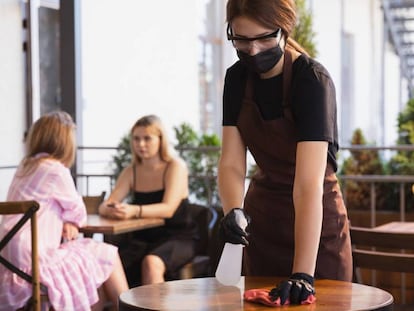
<point>231,169</point>
<point>176,189</point>
<point>63,191</point>
<point>311,159</point>
<point>119,193</point>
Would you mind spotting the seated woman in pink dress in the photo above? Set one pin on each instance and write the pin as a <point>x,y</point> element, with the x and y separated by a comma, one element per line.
<point>75,269</point>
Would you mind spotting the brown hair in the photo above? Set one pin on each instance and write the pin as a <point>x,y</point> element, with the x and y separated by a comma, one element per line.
<point>54,134</point>
<point>269,13</point>
<point>153,123</point>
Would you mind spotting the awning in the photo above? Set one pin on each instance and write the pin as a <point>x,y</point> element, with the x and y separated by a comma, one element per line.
<point>399,20</point>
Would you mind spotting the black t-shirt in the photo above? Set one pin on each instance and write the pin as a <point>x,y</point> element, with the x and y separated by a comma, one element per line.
<point>312,100</point>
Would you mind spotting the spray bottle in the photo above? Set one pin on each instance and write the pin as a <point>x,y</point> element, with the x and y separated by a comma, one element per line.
<point>229,268</point>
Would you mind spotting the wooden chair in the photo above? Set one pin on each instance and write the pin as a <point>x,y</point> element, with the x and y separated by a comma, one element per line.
<point>200,265</point>
<point>382,251</point>
<point>92,202</point>
<point>28,209</point>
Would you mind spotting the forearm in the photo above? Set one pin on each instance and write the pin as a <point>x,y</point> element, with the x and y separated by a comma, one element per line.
<point>308,225</point>
<point>231,187</point>
<point>155,210</point>
<point>311,158</point>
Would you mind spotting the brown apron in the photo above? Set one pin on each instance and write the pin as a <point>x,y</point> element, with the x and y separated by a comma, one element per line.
<point>269,199</point>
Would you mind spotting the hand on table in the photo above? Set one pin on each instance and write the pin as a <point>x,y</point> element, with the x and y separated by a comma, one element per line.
<point>230,231</point>
<point>298,289</point>
<point>119,210</point>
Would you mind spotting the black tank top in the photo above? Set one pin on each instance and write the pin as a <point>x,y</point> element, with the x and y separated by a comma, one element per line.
<point>180,224</point>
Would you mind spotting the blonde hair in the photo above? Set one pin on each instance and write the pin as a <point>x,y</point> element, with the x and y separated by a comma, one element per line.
<point>269,13</point>
<point>54,134</point>
<point>153,123</point>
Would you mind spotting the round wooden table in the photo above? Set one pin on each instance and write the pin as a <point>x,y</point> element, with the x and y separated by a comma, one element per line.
<point>209,294</point>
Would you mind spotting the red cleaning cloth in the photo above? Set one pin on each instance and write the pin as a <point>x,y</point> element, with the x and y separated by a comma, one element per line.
<point>262,296</point>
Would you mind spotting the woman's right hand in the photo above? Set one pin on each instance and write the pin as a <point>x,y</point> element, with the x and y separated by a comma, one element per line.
<point>69,231</point>
<point>108,209</point>
<point>232,229</point>
<point>124,211</point>
<point>118,210</point>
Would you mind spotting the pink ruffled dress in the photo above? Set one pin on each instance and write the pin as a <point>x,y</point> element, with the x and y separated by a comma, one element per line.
<point>72,271</point>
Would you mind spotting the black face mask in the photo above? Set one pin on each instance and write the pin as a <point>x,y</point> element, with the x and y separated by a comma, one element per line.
<point>261,62</point>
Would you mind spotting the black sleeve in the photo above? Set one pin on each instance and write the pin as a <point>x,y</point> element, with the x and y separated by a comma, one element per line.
<point>234,84</point>
<point>314,105</point>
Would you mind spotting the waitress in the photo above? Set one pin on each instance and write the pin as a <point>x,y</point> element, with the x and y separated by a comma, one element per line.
<point>280,105</point>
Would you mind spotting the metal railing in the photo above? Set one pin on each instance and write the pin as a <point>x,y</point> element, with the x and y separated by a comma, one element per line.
<point>97,168</point>
<point>373,180</point>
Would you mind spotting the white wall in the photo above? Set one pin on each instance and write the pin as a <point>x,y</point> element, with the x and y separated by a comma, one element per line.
<point>138,58</point>
<point>367,88</point>
<point>392,97</point>
<point>12,112</point>
<point>327,30</point>
<point>363,21</point>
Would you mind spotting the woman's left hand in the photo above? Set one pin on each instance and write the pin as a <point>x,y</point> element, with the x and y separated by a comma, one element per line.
<point>70,231</point>
<point>298,289</point>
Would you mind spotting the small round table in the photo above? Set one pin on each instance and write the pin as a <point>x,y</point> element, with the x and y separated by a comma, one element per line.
<point>209,294</point>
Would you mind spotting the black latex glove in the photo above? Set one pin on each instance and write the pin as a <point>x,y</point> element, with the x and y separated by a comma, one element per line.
<point>230,231</point>
<point>297,289</point>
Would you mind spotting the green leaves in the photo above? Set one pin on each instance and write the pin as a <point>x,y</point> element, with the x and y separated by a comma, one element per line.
<point>303,33</point>
<point>363,162</point>
<point>123,156</point>
<point>201,153</point>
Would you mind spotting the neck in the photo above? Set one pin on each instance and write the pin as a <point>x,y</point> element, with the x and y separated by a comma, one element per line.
<point>152,163</point>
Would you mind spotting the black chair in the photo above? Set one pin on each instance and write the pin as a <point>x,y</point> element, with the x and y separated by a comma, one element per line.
<point>200,265</point>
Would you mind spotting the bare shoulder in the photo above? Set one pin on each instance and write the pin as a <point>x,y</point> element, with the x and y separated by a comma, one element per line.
<point>128,168</point>
<point>126,172</point>
<point>178,163</point>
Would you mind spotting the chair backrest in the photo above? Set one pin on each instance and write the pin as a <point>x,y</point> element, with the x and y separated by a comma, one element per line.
<point>202,214</point>
<point>92,202</point>
<point>216,244</point>
<point>28,209</point>
<point>381,250</point>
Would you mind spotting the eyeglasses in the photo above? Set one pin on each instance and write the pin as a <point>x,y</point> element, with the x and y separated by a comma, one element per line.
<point>262,42</point>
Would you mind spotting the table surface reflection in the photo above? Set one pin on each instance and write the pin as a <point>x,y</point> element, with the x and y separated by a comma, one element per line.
<point>397,227</point>
<point>209,294</point>
<point>99,224</point>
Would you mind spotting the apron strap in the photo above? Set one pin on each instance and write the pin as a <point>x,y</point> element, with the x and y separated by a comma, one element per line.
<point>287,81</point>
<point>248,93</point>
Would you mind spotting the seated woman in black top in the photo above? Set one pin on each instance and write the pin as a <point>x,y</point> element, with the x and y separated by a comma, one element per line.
<point>157,183</point>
